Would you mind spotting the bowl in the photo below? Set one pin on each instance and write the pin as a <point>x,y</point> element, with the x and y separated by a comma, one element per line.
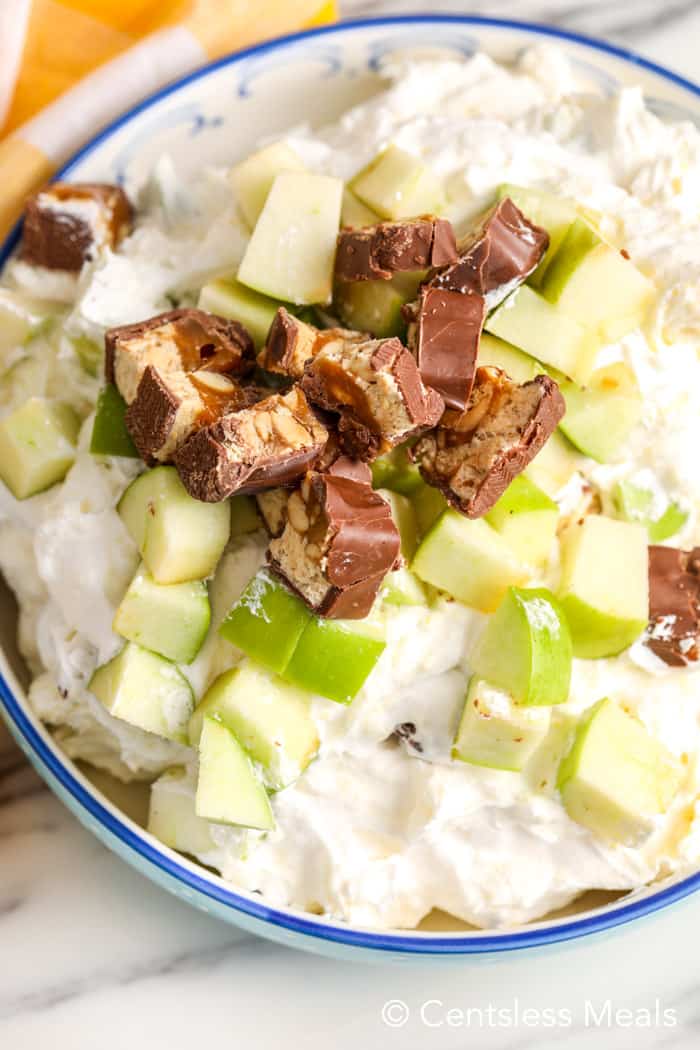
<point>309,76</point>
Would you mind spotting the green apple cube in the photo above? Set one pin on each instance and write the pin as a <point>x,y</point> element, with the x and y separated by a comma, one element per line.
<point>266,622</point>
<point>354,213</point>
<point>604,588</point>
<point>527,519</point>
<point>21,317</point>
<point>552,213</point>
<point>405,520</point>
<point>172,817</point>
<point>495,353</point>
<point>468,560</point>
<point>252,179</point>
<point>398,185</point>
<point>371,306</point>
<point>37,446</point>
<point>544,331</point>
<point>636,503</point>
<point>179,538</point>
<point>145,690</point>
<point>493,731</point>
<point>229,298</point>
<point>270,718</point>
<point>291,251</point>
<point>395,471</point>
<point>402,587</point>
<point>525,648</point>
<point>89,353</point>
<point>617,777</point>
<point>170,619</point>
<point>109,434</point>
<point>596,284</point>
<point>429,504</point>
<point>229,790</point>
<point>333,658</point>
<point>601,417</point>
<point>554,465</point>
<point>244,516</point>
<point>26,377</point>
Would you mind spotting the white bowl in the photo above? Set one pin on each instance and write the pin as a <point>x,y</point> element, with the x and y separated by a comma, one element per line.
<point>217,115</point>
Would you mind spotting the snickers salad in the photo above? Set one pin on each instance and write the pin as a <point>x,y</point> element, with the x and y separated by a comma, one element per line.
<point>350,496</point>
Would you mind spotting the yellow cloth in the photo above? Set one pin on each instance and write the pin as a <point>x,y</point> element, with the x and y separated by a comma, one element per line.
<point>66,64</point>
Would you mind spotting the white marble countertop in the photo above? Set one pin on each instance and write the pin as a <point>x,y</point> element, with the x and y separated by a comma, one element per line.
<point>93,955</point>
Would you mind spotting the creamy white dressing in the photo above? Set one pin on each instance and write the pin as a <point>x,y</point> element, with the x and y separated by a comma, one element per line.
<point>375,831</point>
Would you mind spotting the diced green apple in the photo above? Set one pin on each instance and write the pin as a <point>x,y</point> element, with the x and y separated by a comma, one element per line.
<point>252,179</point>
<point>604,587</point>
<point>228,789</point>
<point>89,353</point>
<point>244,516</point>
<point>525,648</point>
<point>469,560</point>
<point>172,817</point>
<point>266,622</point>
<point>109,434</point>
<point>291,251</point>
<point>375,306</point>
<point>179,538</point>
<point>617,778</point>
<point>527,519</point>
<point>402,587</point>
<point>595,283</point>
<point>354,213</point>
<point>37,445</point>
<point>495,353</point>
<point>229,298</point>
<point>495,732</point>
<point>552,213</point>
<point>544,331</point>
<point>554,465</point>
<point>405,520</point>
<point>26,377</point>
<point>398,185</point>
<point>170,619</point>
<point>429,504</point>
<point>333,658</point>
<point>21,317</point>
<point>145,690</point>
<point>270,718</point>
<point>635,503</point>
<point>601,417</point>
<point>395,471</point>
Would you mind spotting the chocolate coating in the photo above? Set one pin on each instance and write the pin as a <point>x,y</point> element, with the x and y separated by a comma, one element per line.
<point>55,238</point>
<point>377,252</point>
<point>674,605</point>
<point>445,337</point>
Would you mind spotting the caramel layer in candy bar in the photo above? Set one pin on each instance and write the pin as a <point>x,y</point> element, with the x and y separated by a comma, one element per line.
<point>674,605</point>
<point>266,446</point>
<point>66,224</point>
<point>474,455</point>
<point>177,372</point>
<point>291,343</point>
<point>376,389</point>
<point>377,252</point>
<point>338,544</point>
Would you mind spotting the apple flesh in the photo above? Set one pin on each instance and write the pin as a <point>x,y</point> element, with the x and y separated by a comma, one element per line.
<point>354,213</point>
<point>333,658</point>
<point>636,503</point>
<point>170,619</point>
<point>395,471</point>
<point>229,298</point>
<point>266,622</point>
<point>496,353</point>
<point>527,519</point>
<point>402,587</point>
<point>244,516</point>
<point>604,588</point>
<point>145,690</point>
<point>270,718</point>
<point>600,418</point>
<point>617,778</point>
<point>179,538</point>
<point>525,648</point>
<point>552,213</point>
<point>397,185</point>
<point>21,317</point>
<point>37,446</point>
<point>228,788</point>
<point>468,560</point>
<point>375,306</point>
<point>172,817</point>
<point>109,434</point>
<point>494,732</point>
<point>554,465</point>
<point>429,504</point>
<point>252,179</point>
<point>404,517</point>
<point>291,251</point>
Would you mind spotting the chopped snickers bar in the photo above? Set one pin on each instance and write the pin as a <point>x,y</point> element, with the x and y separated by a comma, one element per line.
<point>495,257</point>
<point>268,445</point>
<point>339,543</point>
<point>377,252</point>
<point>291,343</point>
<point>444,329</point>
<point>272,505</point>
<point>474,455</point>
<point>376,389</point>
<point>674,605</point>
<point>177,372</point>
<point>67,224</point>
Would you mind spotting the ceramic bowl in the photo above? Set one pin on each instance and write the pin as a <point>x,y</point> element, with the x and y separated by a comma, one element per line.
<point>216,115</point>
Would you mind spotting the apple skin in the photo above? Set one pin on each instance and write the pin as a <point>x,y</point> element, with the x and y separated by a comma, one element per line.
<point>635,503</point>
<point>395,471</point>
<point>227,297</point>
<point>527,519</point>
<point>525,648</point>
<point>109,434</point>
<point>496,353</point>
<point>37,446</point>
<point>228,789</point>
<point>401,587</point>
<point>397,185</point>
<point>494,732</point>
<point>266,622</point>
<point>334,658</point>
<point>600,418</point>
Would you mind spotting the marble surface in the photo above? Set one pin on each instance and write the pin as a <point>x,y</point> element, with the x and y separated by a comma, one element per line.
<point>92,954</point>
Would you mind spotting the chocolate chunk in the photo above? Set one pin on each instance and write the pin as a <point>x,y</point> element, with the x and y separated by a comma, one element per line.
<point>474,455</point>
<point>376,389</point>
<point>674,605</point>
<point>69,223</point>
<point>406,732</point>
<point>444,331</point>
<point>377,252</point>
<point>339,543</point>
<point>291,343</point>
<point>268,445</point>
<point>501,251</point>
